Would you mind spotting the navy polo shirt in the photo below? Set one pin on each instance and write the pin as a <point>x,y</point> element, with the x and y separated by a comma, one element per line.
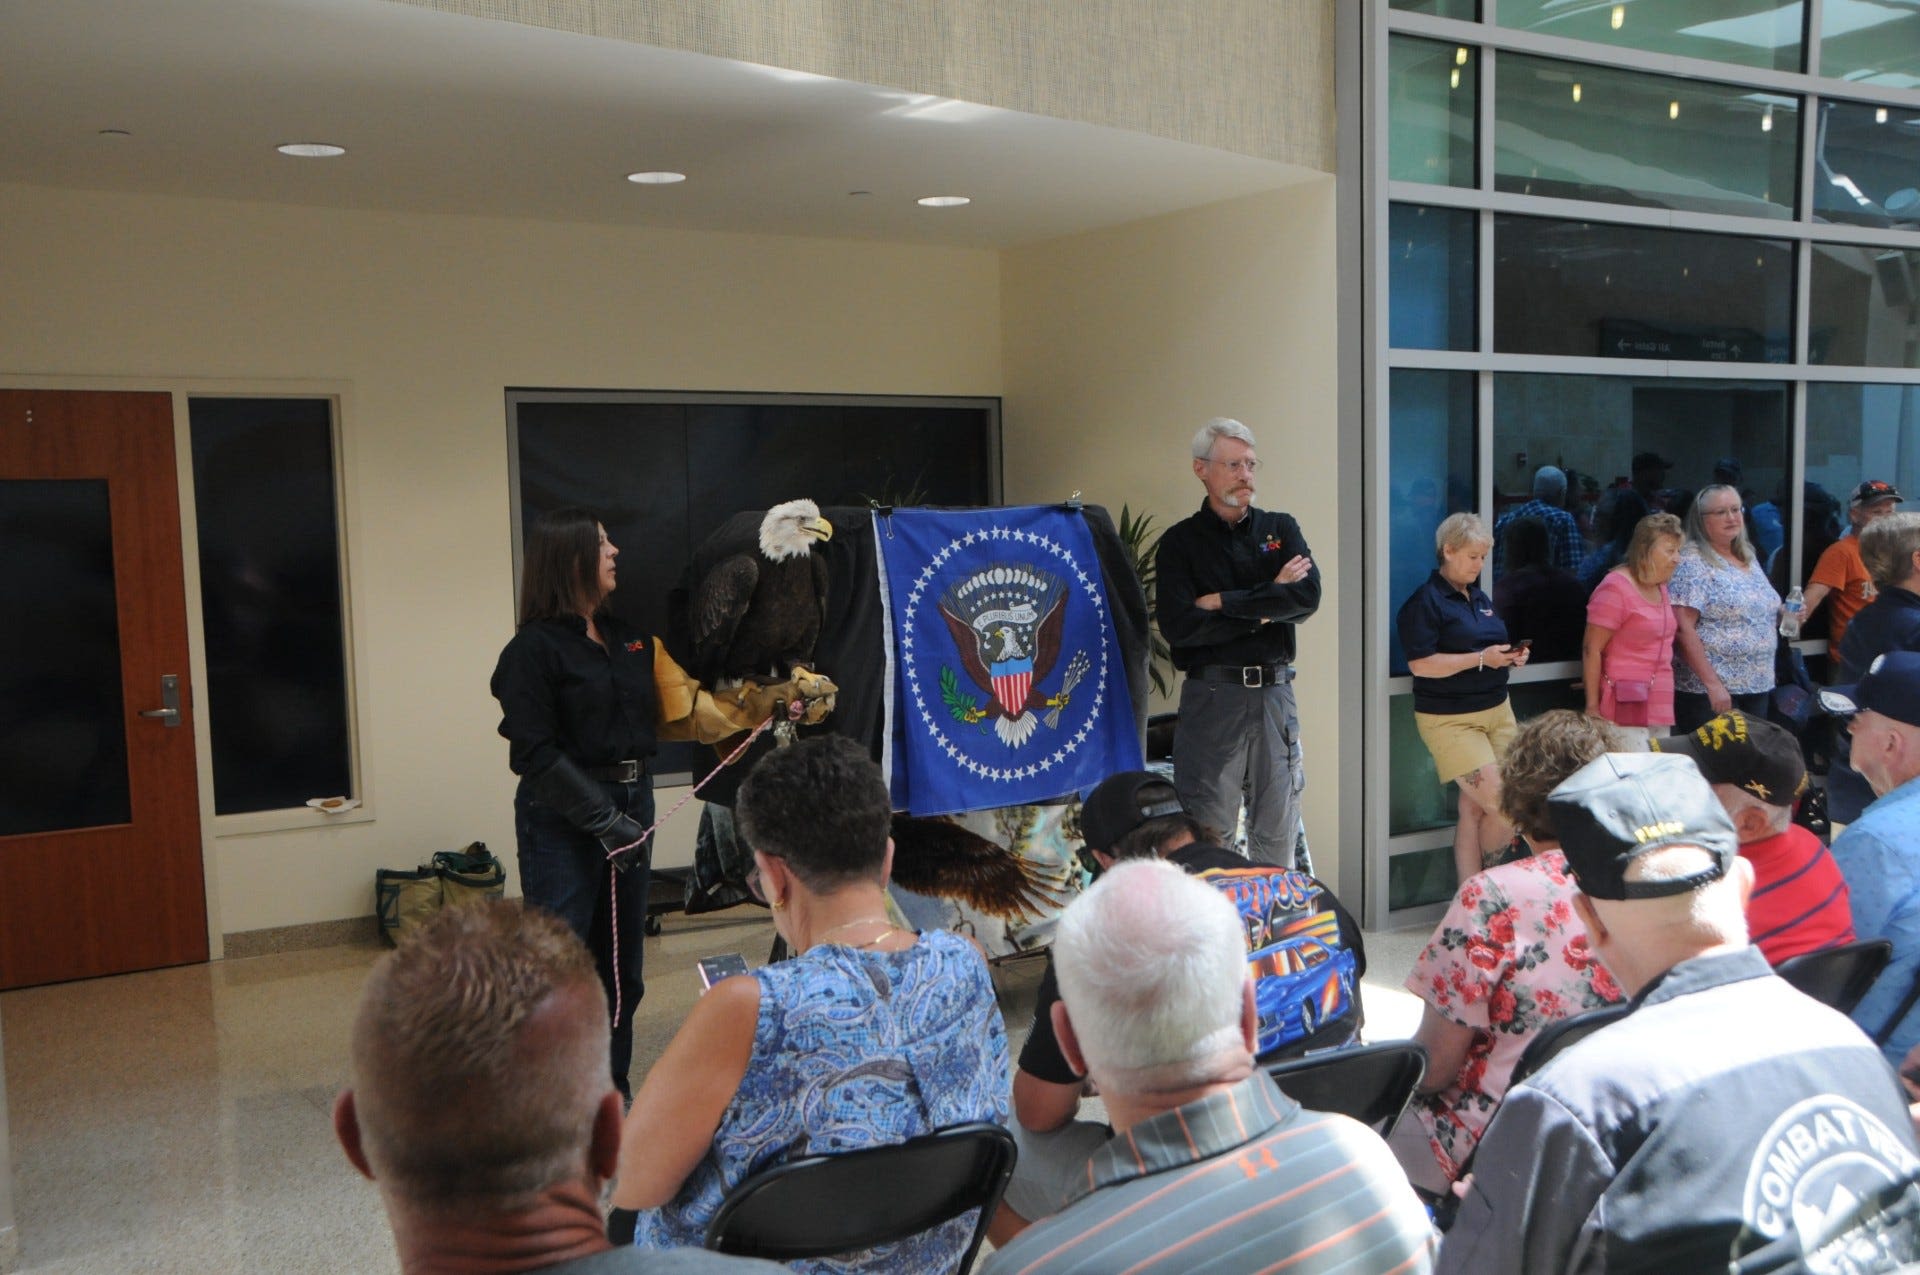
<point>1441,620</point>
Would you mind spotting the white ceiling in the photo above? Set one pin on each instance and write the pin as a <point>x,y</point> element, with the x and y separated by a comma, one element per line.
<point>445,113</point>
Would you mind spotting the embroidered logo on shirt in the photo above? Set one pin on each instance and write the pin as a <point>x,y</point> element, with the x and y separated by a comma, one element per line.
<point>1273,542</point>
<point>638,644</point>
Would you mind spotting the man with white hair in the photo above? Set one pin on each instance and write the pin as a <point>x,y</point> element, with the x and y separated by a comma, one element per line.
<point>1549,505</point>
<point>481,1106</point>
<point>1879,853</point>
<point>1727,1122</point>
<point>1211,1168</point>
<point>1233,583</point>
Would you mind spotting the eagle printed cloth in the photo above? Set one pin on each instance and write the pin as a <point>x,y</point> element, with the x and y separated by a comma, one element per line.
<point>1008,682</point>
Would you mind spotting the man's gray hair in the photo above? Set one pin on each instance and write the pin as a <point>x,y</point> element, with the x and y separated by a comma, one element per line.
<point>1887,548</point>
<point>1216,429</point>
<point>1152,965</point>
<point>1550,483</point>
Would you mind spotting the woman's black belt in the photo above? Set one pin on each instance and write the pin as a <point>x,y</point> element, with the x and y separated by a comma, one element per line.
<point>1249,675</point>
<point>621,772</point>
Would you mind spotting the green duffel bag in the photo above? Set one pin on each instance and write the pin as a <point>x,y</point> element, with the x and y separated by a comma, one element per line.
<point>404,899</point>
<point>469,874</point>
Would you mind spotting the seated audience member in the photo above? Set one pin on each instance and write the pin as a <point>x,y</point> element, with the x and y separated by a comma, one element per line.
<point>1508,959</point>
<point>1211,1168</point>
<point>1799,901</point>
<point>1137,815</point>
<point>480,1103</point>
<point>1879,853</point>
<point>1890,547</point>
<point>870,1035</point>
<point>1727,1115</point>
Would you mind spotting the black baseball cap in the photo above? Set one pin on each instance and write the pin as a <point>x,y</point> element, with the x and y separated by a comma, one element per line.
<point>1871,490</point>
<point>1890,688</point>
<point>1753,755</point>
<point>1120,803</point>
<point>1620,806</point>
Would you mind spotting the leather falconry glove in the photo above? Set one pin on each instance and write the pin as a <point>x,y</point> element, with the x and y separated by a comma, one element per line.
<point>815,690</point>
<point>583,803</point>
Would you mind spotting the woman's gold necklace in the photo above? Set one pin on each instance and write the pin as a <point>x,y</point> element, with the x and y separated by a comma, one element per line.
<point>865,920</point>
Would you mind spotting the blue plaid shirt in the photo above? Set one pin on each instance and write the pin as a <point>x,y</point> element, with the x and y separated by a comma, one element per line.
<point>1563,534</point>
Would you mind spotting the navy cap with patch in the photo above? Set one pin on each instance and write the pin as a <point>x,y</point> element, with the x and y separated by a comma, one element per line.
<point>1620,806</point>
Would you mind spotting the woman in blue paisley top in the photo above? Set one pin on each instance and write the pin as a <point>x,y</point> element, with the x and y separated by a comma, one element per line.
<point>871,1035</point>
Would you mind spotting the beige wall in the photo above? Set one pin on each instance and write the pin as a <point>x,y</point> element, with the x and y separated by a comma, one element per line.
<point>1250,76</point>
<point>421,322</point>
<point>1120,343</point>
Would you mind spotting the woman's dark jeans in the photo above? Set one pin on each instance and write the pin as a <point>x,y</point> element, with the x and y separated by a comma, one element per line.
<point>565,871</point>
<point>1691,710</point>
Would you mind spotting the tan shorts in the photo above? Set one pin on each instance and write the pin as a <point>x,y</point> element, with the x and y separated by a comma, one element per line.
<point>1462,743</point>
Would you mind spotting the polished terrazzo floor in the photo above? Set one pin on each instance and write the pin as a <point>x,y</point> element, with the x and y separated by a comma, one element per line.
<point>179,1121</point>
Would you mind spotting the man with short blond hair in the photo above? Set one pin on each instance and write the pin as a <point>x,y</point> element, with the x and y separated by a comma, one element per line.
<point>480,1103</point>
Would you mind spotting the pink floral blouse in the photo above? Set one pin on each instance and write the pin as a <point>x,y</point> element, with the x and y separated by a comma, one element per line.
<point>1509,958</point>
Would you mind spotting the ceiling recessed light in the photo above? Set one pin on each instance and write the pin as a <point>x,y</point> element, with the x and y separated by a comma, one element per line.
<point>943,201</point>
<point>656,179</point>
<point>311,150</point>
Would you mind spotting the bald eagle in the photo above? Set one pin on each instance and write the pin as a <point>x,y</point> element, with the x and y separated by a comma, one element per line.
<point>756,615</point>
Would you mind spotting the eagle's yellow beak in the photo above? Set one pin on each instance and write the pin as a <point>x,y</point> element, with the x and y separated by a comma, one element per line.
<point>819,528</point>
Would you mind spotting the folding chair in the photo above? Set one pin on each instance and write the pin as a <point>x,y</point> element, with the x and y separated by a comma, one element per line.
<point>1371,1083</point>
<point>1838,976</point>
<point>1568,1031</point>
<point>821,1205</point>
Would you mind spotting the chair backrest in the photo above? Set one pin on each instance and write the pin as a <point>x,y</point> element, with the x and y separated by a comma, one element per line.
<point>1561,1035</point>
<point>1371,1083</point>
<point>1838,976</point>
<point>820,1205</point>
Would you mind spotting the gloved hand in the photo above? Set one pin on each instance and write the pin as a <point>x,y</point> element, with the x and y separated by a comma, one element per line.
<point>815,691</point>
<point>584,804</point>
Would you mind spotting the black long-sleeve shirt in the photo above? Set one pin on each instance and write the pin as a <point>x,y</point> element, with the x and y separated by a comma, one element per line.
<point>1201,555</point>
<point>562,692</point>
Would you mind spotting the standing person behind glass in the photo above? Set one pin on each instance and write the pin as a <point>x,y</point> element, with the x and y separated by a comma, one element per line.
<point>1457,650</point>
<point>583,700</point>
<point>1727,612</point>
<point>1890,550</point>
<point>1840,571</point>
<point>1535,598</point>
<point>1626,661</point>
<point>1614,522</point>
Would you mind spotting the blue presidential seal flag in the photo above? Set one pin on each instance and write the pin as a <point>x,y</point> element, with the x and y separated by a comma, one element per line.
<point>1005,670</point>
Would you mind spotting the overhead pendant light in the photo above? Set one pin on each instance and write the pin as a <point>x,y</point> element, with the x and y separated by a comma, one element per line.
<point>1766,120</point>
<point>1619,16</point>
<point>1453,78</point>
<point>657,178</point>
<point>1880,116</point>
<point>1460,56</point>
<point>311,150</point>
<point>1673,109</point>
<point>943,201</point>
<point>1576,92</point>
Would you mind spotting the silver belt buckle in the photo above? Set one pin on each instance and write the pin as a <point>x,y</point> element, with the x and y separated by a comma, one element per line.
<point>1253,676</point>
<point>626,772</point>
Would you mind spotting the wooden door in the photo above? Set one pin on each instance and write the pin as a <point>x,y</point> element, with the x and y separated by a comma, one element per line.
<point>100,858</point>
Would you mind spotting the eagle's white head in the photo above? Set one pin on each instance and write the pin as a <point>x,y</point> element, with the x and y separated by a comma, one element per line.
<point>789,530</point>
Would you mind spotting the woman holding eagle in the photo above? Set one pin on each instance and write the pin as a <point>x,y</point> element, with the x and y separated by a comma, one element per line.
<point>584,702</point>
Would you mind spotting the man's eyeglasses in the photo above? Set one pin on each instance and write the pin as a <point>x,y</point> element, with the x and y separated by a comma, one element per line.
<point>1237,466</point>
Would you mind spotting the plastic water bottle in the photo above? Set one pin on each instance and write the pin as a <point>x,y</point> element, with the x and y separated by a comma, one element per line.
<point>1790,613</point>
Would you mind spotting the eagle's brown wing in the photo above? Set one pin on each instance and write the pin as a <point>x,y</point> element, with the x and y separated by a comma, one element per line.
<point>932,856</point>
<point>719,603</point>
<point>968,643</point>
<point>1046,651</point>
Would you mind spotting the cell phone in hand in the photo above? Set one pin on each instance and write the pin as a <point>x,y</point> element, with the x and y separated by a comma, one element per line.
<point>714,968</point>
<point>1522,644</point>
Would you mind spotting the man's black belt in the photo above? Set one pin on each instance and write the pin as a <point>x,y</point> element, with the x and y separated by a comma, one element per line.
<point>1248,675</point>
<point>621,772</point>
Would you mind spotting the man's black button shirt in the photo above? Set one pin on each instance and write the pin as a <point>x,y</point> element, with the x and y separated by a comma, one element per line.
<point>1201,555</point>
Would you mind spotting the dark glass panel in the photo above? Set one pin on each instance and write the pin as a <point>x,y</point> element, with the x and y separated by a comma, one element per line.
<point>1431,92</point>
<point>1430,441</point>
<point>263,483</point>
<point>1865,306</point>
<point>1867,165</point>
<point>1465,10</point>
<point>1572,130</point>
<point>1764,33</point>
<point>1871,42</point>
<point>63,743</point>
<point>1594,429</point>
<point>1585,288</point>
<point>1419,877</point>
<point>1416,799</point>
<point>1430,277</point>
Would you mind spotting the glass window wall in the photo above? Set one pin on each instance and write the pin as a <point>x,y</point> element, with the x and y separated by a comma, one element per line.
<point>1432,88</point>
<point>1431,474</point>
<point>1863,308</point>
<point>1577,131</point>
<point>1584,289</point>
<point>1465,10</point>
<point>1431,268</point>
<point>1854,433</point>
<point>1763,33</point>
<point>1867,165</point>
<point>1871,42</point>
